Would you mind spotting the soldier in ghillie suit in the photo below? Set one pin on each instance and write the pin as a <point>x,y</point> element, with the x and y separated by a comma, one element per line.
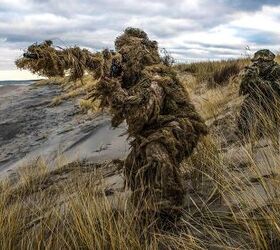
<point>163,123</point>
<point>261,86</point>
<point>138,87</point>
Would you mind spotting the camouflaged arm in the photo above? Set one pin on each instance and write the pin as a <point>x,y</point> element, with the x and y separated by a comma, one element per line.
<point>145,107</point>
<point>123,104</point>
<point>111,95</point>
<point>275,74</point>
<point>117,106</point>
<point>117,119</point>
<point>249,79</point>
<point>137,106</point>
<point>124,107</point>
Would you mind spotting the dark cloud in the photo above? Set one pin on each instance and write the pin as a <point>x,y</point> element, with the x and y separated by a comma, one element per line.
<point>250,5</point>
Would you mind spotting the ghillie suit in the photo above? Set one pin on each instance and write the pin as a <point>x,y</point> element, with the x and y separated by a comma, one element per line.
<point>261,86</point>
<point>138,87</point>
<point>45,60</point>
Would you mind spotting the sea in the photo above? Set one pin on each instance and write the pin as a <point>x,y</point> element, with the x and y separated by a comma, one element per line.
<point>16,83</point>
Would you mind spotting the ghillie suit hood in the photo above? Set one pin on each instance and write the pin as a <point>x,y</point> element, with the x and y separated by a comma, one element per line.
<point>137,52</point>
<point>264,55</point>
<point>263,60</point>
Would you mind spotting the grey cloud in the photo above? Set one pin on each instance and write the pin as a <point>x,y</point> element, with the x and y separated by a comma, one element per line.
<point>260,38</point>
<point>95,24</point>
<point>250,5</point>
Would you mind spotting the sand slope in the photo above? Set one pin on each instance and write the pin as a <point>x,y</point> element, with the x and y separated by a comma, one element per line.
<point>30,127</point>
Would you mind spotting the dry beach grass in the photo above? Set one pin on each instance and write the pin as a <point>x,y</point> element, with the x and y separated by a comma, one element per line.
<point>232,192</point>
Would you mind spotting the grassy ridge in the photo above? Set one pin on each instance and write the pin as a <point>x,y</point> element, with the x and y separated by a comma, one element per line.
<point>214,73</point>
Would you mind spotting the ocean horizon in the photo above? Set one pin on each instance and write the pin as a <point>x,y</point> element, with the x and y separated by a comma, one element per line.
<point>16,82</point>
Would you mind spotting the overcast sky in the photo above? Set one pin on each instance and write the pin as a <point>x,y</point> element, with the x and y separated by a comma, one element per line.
<point>189,29</point>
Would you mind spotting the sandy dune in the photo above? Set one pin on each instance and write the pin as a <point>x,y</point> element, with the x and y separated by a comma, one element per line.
<point>30,128</point>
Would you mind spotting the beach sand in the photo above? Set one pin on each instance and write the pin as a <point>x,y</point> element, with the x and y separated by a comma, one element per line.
<point>30,128</point>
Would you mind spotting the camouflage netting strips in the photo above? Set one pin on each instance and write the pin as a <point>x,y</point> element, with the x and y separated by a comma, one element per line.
<point>137,86</point>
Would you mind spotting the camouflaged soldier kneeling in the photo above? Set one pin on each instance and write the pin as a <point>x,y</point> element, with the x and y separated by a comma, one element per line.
<point>163,123</point>
<point>261,86</point>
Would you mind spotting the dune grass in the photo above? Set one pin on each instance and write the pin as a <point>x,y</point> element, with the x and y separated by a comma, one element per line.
<point>69,209</point>
<point>232,192</point>
<point>214,73</point>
